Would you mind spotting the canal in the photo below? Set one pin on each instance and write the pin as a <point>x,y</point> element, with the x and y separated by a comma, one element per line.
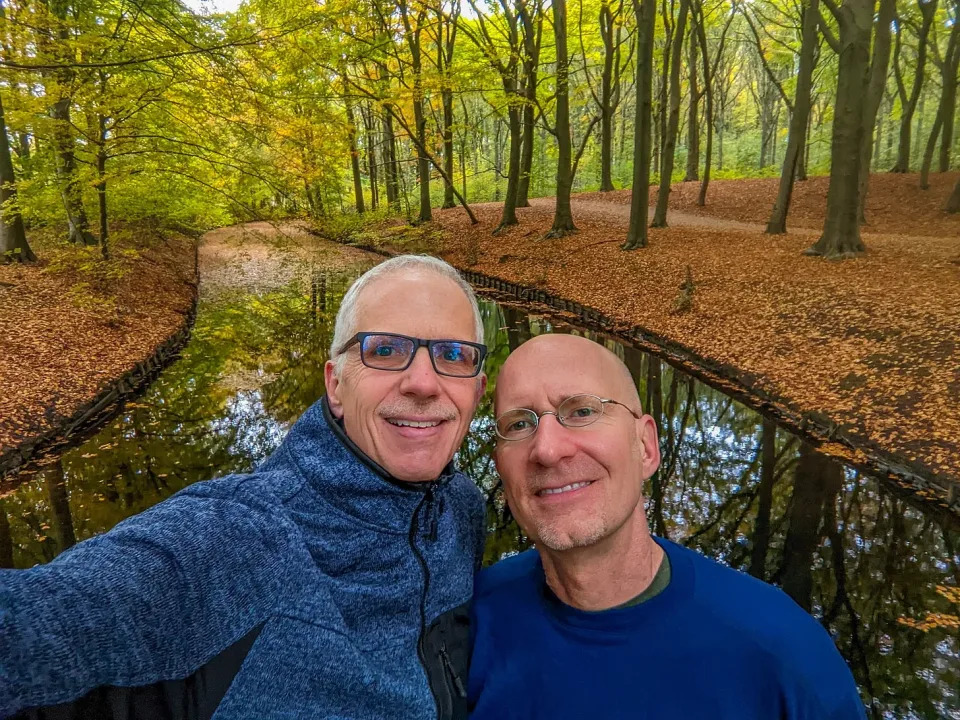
<point>878,570</point>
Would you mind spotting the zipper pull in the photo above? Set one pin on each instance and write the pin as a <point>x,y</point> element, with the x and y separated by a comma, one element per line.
<point>448,664</point>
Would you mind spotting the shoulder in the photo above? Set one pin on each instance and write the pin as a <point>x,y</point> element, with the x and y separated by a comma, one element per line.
<point>257,489</point>
<point>742,602</point>
<point>736,608</point>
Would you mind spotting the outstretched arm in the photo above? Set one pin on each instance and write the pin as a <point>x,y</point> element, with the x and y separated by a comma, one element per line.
<point>151,600</point>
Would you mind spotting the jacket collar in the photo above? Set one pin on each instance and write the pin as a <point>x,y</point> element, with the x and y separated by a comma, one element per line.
<point>347,479</point>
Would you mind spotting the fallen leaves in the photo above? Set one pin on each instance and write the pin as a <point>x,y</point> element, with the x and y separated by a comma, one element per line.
<point>872,343</point>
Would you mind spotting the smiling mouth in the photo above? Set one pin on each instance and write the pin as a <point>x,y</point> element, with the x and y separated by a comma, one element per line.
<point>566,488</point>
<point>413,423</point>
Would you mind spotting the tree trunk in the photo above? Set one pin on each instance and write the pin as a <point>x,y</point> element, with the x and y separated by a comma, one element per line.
<point>798,120</point>
<point>102,185</point>
<point>816,482</point>
<point>447,100</point>
<point>390,162</point>
<point>413,37</point>
<point>606,97</point>
<point>953,204</point>
<point>768,461</point>
<point>563,215</point>
<point>355,160</point>
<point>13,236</point>
<point>909,104</point>
<point>693,110</point>
<point>531,45</point>
<point>645,12</point>
<point>423,163</point>
<point>58,85</point>
<point>841,229</point>
<point>948,75</point>
<point>370,135</point>
<point>670,139</point>
<point>509,216</point>
<point>60,508</point>
<point>708,89</point>
<point>878,80</point>
<point>948,99</point>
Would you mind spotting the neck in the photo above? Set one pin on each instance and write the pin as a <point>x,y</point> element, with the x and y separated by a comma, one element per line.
<point>608,573</point>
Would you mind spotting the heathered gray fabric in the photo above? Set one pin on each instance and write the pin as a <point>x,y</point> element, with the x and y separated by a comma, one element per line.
<point>314,547</point>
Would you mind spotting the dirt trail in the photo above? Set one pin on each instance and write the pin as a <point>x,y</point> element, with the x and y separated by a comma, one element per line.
<point>621,213</point>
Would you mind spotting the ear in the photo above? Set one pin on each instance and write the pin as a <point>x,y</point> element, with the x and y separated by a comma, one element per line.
<point>332,383</point>
<point>649,445</point>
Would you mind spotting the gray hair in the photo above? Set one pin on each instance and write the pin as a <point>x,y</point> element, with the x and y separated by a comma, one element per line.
<point>346,323</point>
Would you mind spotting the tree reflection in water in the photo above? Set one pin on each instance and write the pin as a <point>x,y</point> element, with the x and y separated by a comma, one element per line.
<point>848,548</point>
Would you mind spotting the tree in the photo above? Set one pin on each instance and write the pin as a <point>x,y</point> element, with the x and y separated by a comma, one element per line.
<point>709,74</point>
<point>445,36</point>
<point>55,42</point>
<point>841,229</point>
<point>566,161</point>
<point>875,87</point>
<point>531,23</point>
<point>611,22</point>
<point>646,16</point>
<point>799,117</point>
<point>412,32</point>
<point>943,122</point>
<point>673,122</point>
<point>953,204</point>
<point>508,70</point>
<point>908,103</point>
<point>13,236</point>
<point>354,158</point>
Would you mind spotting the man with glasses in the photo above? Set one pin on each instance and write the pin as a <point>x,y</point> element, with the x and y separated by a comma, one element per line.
<point>603,620</point>
<point>332,582</point>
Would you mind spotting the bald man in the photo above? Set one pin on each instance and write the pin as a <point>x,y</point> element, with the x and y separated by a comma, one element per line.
<point>603,620</point>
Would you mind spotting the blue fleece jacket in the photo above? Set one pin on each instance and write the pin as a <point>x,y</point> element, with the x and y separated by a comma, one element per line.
<point>329,575</point>
<point>716,644</point>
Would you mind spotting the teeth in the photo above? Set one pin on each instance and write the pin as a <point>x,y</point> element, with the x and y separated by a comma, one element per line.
<point>565,488</point>
<point>413,423</point>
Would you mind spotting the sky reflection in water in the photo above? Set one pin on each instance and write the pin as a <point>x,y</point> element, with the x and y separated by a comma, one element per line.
<point>848,548</point>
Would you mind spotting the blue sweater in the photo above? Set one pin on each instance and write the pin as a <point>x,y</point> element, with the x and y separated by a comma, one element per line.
<point>316,587</point>
<point>714,644</point>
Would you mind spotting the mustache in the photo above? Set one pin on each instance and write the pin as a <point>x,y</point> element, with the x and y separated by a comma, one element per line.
<point>433,410</point>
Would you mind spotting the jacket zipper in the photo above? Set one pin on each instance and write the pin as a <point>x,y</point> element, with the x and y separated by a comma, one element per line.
<point>448,665</point>
<point>421,652</point>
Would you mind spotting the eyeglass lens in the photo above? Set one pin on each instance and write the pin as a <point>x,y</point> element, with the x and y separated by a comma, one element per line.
<point>575,411</point>
<point>390,352</point>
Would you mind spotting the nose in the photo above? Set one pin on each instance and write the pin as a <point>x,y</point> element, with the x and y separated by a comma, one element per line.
<point>551,443</point>
<point>420,379</point>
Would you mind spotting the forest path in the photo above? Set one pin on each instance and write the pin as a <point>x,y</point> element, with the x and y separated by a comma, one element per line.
<point>618,213</point>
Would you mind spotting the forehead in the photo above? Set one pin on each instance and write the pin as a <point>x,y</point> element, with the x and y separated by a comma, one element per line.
<point>416,302</point>
<point>547,376</point>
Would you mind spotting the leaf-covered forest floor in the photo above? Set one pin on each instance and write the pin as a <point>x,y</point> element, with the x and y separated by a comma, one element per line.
<point>871,343</point>
<point>73,325</point>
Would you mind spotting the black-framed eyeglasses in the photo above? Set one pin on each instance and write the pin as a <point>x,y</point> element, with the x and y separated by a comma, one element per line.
<point>389,351</point>
<point>576,411</point>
